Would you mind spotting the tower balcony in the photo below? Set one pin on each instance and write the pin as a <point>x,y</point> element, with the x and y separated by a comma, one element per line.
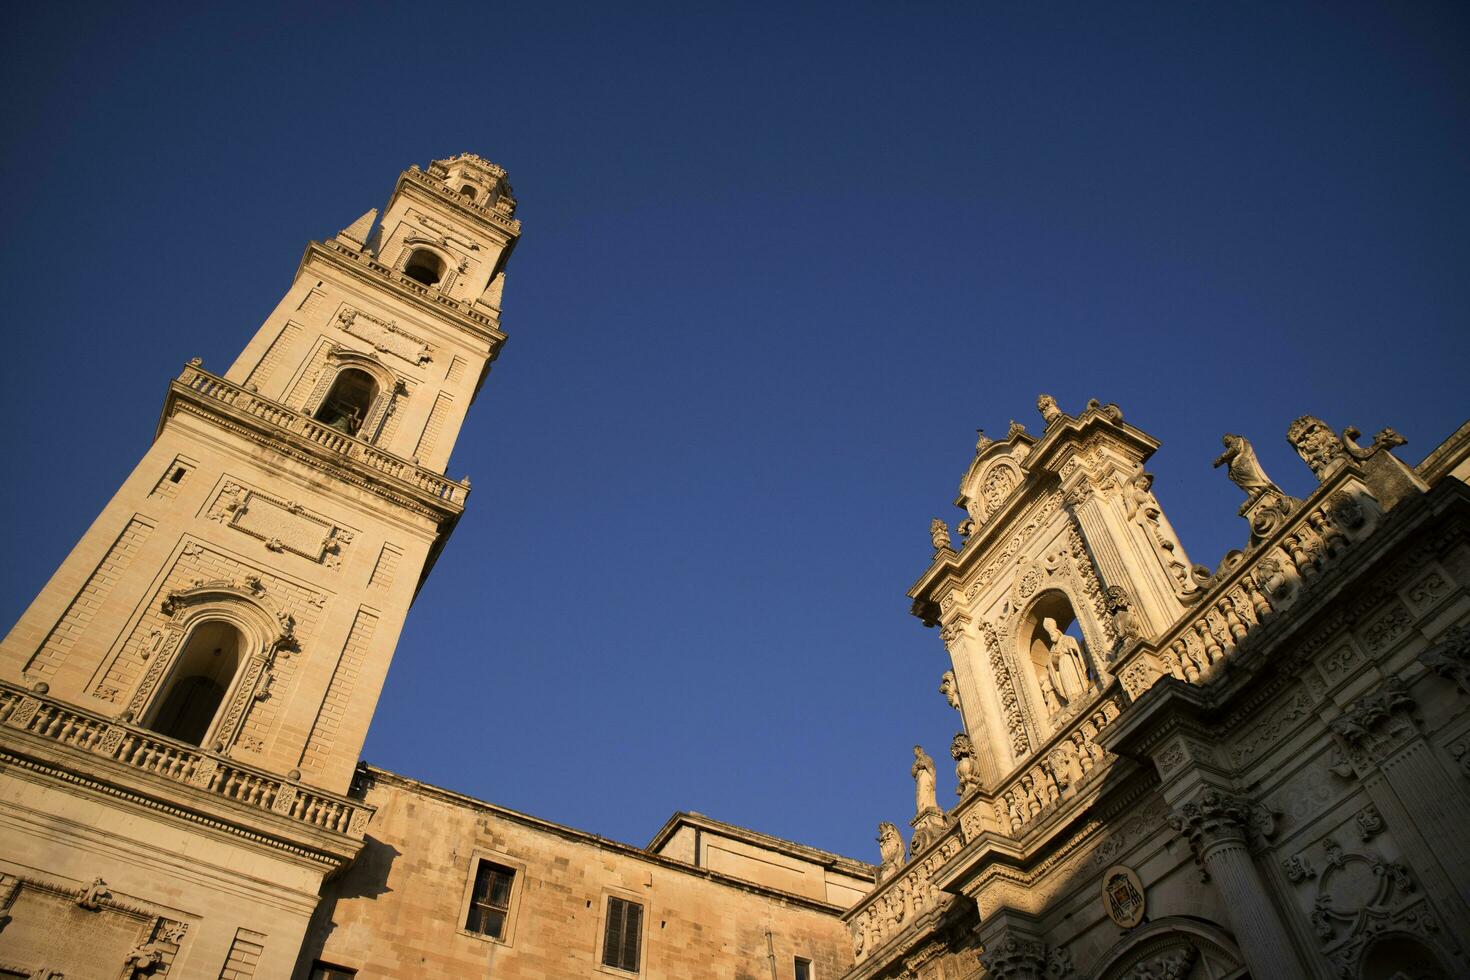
<point>343,456</point>
<point>52,740</point>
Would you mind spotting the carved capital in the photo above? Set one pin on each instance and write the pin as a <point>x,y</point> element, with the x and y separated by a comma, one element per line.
<point>1377,724</point>
<point>1013,957</point>
<point>1450,657</point>
<point>1217,818</point>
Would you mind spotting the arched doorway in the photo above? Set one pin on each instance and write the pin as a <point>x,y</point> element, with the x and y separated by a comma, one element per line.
<point>1174,946</point>
<point>197,687</point>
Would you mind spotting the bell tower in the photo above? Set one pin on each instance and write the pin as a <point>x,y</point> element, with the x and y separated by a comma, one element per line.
<point>217,641</point>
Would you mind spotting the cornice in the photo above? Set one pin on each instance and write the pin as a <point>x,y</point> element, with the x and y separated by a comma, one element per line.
<point>508,228</point>
<point>826,859</point>
<point>367,270</point>
<point>366,775</point>
<point>210,397</point>
<point>26,755</point>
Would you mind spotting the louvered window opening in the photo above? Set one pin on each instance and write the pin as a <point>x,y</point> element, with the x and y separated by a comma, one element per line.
<point>624,928</point>
<point>490,900</point>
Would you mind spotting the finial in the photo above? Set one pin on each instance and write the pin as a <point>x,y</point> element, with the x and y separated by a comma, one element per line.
<point>939,534</point>
<point>1016,429</point>
<point>982,441</point>
<point>1047,406</point>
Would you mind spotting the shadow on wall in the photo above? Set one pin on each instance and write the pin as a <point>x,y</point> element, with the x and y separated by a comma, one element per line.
<point>366,877</point>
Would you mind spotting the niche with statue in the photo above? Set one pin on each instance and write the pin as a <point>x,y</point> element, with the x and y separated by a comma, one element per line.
<point>1062,676</point>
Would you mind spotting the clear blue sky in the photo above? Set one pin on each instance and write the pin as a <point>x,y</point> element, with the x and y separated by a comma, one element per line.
<point>778,265</point>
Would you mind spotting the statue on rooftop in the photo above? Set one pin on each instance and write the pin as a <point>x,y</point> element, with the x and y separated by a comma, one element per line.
<point>890,850</point>
<point>924,777</point>
<point>1047,405</point>
<point>966,773</point>
<point>1245,471</point>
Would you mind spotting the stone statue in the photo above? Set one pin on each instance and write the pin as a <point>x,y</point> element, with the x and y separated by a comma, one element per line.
<point>939,534</point>
<point>890,850</point>
<point>982,441</point>
<point>949,687</point>
<point>1047,405</point>
<point>1016,429</point>
<point>1120,607</point>
<point>924,777</point>
<point>1049,696</point>
<point>1066,668</point>
<point>966,772</point>
<point>1317,445</point>
<point>92,896</point>
<point>1245,472</point>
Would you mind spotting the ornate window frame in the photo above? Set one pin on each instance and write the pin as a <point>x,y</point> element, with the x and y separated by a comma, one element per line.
<point>264,630</point>
<point>390,386</point>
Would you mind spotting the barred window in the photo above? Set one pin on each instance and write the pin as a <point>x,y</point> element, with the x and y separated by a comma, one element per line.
<point>490,900</point>
<point>624,928</point>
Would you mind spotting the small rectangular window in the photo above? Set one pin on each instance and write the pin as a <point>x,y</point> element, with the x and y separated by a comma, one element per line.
<point>490,900</point>
<point>624,929</point>
<point>325,971</point>
<point>803,969</point>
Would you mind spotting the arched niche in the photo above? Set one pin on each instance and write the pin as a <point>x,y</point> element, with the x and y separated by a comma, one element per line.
<point>1401,956</point>
<point>1175,945</point>
<point>355,395</point>
<point>186,673</point>
<point>424,266</point>
<point>1058,665</point>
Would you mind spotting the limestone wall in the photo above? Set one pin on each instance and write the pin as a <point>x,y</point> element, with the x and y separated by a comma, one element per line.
<point>399,911</point>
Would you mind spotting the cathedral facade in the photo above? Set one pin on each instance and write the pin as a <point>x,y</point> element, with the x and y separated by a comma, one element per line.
<point>1164,770</point>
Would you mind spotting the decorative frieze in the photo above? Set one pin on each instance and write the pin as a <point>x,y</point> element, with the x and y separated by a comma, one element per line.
<point>282,525</point>
<point>385,336</point>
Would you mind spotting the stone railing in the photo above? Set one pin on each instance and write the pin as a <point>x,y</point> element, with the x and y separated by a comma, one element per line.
<point>1249,588</point>
<point>213,387</point>
<point>149,752</point>
<point>399,279</point>
<point>894,906</point>
<point>1066,763</point>
<point>494,214</point>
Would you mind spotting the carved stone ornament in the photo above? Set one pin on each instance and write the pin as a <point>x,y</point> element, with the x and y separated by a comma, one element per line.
<point>966,772</point>
<point>949,687</point>
<point>1318,446</point>
<point>385,336</point>
<point>1122,896</point>
<point>93,895</point>
<point>1377,724</point>
<point>1120,608</point>
<point>1449,657</point>
<point>890,850</point>
<point>939,534</point>
<point>1014,958</point>
<point>1219,818</point>
<point>1047,406</point>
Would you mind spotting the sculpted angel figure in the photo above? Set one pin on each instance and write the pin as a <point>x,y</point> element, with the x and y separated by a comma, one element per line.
<point>1245,472</point>
<point>1067,669</point>
<point>924,777</point>
<point>890,849</point>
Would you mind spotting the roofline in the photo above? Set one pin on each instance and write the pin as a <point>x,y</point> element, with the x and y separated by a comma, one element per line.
<point>595,840</point>
<point>827,859</point>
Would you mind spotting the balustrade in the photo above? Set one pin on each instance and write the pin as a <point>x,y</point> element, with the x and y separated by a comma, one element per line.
<point>217,389</point>
<point>150,752</point>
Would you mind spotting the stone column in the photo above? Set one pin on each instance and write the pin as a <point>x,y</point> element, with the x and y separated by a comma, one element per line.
<point>1217,827</point>
<point>1387,751</point>
<point>979,707</point>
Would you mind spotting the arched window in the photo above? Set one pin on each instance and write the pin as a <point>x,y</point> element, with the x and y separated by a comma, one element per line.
<point>349,401</point>
<point>198,684</point>
<point>1051,640</point>
<point>424,266</point>
<point>468,191</point>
